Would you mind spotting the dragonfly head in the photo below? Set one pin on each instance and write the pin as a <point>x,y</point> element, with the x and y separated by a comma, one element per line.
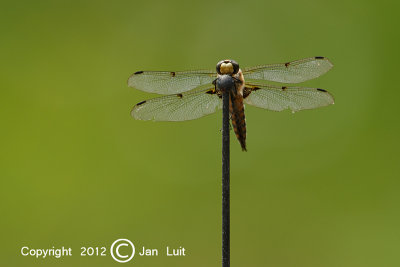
<point>227,66</point>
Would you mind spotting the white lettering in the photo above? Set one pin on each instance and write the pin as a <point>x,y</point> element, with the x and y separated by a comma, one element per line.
<point>176,252</point>
<point>44,253</point>
<point>22,251</point>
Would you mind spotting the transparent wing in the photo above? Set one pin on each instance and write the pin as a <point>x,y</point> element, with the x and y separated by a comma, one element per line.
<point>178,107</point>
<point>291,72</point>
<point>170,82</point>
<point>280,98</point>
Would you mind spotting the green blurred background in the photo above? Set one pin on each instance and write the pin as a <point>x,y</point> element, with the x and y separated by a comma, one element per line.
<point>316,188</point>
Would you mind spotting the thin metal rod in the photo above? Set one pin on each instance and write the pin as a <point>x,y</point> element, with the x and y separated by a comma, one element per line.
<point>225,181</point>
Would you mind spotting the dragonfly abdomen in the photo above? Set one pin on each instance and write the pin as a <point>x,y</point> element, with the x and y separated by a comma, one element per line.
<point>238,118</point>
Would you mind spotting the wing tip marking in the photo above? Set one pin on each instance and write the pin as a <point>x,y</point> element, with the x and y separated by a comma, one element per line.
<point>322,90</point>
<point>326,60</point>
<point>140,103</point>
<point>138,72</point>
<point>179,95</point>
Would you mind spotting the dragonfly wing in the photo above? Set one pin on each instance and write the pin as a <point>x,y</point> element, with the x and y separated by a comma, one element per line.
<point>290,72</point>
<point>170,82</point>
<point>278,98</point>
<point>179,107</point>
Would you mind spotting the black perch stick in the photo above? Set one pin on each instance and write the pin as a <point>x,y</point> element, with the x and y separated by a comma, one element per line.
<point>225,84</point>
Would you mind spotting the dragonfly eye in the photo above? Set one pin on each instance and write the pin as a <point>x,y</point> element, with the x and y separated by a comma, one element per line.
<point>235,66</point>
<point>227,67</point>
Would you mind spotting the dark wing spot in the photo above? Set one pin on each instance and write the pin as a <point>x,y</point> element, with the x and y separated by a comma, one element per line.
<point>319,57</point>
<point>173,73</point>
<point>211,92</point>
<point>284,88</point>
<point>140,103</point>
<point>287,64</point>
<point>246,92</point>
<point>179,95</point>
<point>322,90</point>
<point>139,72</point>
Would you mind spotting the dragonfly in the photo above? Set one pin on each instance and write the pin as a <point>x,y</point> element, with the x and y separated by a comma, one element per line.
<point>189,95</point>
